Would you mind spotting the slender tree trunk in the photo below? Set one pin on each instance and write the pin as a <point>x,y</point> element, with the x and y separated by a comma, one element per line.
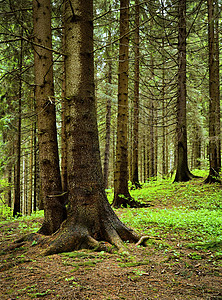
<point>182,171</point>
<point>29,208</point>
<point>9,196</point>
<point>108,119</point>
<point>54,209</point>
<point>17,195</point>
<point>196,148</point>
<point>24,185</point>
<point>214,93</point>
<point>164,172</point>
<point>155,139</point>
<point>152,126</point>
<point>135,167</point>
<point>122,196</point>
<point>35,164</point>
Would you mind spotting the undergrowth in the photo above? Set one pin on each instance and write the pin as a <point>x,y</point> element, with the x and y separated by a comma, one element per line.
<point>191,212</point>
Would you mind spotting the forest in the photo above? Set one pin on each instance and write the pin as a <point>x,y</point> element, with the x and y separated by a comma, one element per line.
<point>110,149</point>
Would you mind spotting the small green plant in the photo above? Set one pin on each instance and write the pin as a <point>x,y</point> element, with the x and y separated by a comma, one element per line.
<point>195,256</point>
<point>5,212</point>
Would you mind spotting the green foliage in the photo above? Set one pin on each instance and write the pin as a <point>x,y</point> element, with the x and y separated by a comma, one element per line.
<point>198,224</point>
<point>5,213</point>
<point>189,211</point>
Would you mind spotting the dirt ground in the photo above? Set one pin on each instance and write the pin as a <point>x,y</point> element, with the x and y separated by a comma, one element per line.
<point>154,272</point>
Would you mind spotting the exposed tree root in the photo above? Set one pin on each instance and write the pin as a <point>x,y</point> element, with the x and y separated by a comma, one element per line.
<point>183,176</point>
<point>88,226</point>
<point>14,246</point>
<point>70,238</point>
<point>142,240</point>
<point>136,185</point>
<point>38,238</point>
<point>129,202</point>
<point>213,177</point>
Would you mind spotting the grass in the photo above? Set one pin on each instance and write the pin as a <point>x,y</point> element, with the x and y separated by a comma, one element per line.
<point>191,212</point>
<point>200,224</point>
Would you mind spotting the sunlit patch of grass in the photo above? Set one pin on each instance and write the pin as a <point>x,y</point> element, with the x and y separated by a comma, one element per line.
<point>197,225</point>
<point>193,194</point>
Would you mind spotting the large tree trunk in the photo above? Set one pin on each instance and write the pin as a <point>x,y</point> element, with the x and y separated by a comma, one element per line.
<point>54,209</point>
<point>90,217</point>
<point>214,93</point>
<point>63,129</point>
<point>182,172</point>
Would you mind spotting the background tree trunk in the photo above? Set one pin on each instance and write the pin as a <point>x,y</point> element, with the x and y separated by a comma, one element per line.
<point>214,94</point>
<point>135,167</point>
<point>122,196</point>
<point>182,171</point>
<point>108,118</point>
<point>17,189</point>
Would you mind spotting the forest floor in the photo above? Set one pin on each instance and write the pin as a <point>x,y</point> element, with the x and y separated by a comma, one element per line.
<point>166,269</point>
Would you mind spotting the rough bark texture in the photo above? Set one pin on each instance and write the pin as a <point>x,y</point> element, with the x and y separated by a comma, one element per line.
<point>29,204</point>
<point>214,102</point>
<point>182,172</point>
<point>17,190</point>
<point>35,165</point>
<point>164,116</point>
<point>108,118</point>
<point>122,196</point>
<point>196,147</point>
<point>45,105</point>
<point>135,167</point>
<point>90,218</point>
<point>151,151</point>
<point>63,129</point>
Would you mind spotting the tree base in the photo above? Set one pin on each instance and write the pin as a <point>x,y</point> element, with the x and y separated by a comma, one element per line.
<point>213,177</point>
<point>123,202</point>
<point>101,232</point>
<point>184,176</point>
<point>136,185</point>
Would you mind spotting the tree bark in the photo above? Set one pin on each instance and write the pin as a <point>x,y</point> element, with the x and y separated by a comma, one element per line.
<point>182,172</point>
<point>108,119</point>
<point>151,153</point>
<point>122,196</point>
<point>63,130</point>
<point>214,94</point>
<point>17,190</point>
<point>90,217</point>
<point>29,208</point>
<point>54,210</point>
<point>196,151</point>
<point>35,162</point>
<point>135,166</point>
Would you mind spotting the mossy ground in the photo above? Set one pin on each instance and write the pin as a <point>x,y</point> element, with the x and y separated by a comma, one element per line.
<point>182,260</point>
